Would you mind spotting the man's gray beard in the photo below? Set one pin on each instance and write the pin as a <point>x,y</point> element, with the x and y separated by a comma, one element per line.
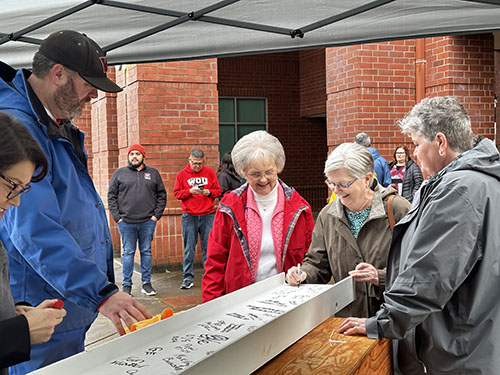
<point>64,103</point>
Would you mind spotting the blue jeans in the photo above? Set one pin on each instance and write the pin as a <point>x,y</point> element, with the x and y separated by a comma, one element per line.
<point>61,345</point>
<point>191,226</point>
<point>131,233</point>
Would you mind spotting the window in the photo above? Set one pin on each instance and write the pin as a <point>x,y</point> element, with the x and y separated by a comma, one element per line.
<point>238,117</point>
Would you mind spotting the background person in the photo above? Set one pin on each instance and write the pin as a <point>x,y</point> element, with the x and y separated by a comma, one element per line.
<point>227,176</point>
<point>354,231</point>
<point>58,240</point>
<point>405,173</point>
<point>197,187</point>
<point>382,172</point>
<point>136,200</point>
<point>274,222</point>
<point>20,326</point>
<point>442,272</point>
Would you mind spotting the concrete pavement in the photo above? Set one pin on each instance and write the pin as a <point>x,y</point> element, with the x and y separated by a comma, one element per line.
<point>169,295</point>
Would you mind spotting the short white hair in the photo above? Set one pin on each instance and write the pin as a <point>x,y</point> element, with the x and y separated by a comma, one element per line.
<point>357,159</point>
<point>255,145</point>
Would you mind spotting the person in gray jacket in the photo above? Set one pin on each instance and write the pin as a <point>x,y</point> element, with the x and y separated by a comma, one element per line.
<point>136,199</point>
<point>442,282</point>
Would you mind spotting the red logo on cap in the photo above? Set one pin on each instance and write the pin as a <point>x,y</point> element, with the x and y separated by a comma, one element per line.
<point>104,62</point>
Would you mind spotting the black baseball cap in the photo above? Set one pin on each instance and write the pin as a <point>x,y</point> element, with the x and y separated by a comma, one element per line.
<point>76,51</point>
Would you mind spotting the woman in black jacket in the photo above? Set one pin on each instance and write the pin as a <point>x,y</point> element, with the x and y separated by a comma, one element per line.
<point>21,162</point>
<point>405,173</point>
<point>227,176</point>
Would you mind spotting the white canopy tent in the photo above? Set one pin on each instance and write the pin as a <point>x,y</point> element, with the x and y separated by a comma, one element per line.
<point>158,30</point>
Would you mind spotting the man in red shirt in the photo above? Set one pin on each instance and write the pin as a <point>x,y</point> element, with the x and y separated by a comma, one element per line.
<point>197,187</point>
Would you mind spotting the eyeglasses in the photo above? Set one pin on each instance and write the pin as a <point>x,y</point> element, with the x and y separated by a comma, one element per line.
<point>400,153</point>
<point>16,189</point>
<point>342,185</point>
<point>268,174</point>
<point>198,163</point>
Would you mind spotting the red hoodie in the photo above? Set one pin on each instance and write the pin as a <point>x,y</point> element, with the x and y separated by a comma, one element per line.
<point>197,204</point>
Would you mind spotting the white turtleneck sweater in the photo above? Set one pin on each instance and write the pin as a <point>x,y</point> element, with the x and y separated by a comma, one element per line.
<point>267,259</point>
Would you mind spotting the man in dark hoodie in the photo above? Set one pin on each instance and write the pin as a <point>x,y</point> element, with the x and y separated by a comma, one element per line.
<point>197,187</point>
<point>382,170</point>
<point>136,199</point>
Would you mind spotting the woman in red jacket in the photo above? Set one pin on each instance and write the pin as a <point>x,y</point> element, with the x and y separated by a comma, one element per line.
<point>260,229</point>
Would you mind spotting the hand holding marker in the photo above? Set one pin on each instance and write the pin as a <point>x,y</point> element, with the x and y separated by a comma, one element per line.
<point>298,274</point>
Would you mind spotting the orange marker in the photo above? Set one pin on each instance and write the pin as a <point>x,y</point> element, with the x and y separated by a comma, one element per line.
<point>166,313</point>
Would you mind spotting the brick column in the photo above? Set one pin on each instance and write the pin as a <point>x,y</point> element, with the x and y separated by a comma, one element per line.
<point>463,66</point>
<point>105,147</point>
<point>170,108</point>
<point>84,123</point>
<point>369,87</point>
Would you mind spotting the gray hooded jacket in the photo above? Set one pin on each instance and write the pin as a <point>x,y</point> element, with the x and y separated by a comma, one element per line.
<point>443,274</point>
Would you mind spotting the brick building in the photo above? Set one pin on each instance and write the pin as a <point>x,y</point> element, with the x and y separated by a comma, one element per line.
<point>311,100</point>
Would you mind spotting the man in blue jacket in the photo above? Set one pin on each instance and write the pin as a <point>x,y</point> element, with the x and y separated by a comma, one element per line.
<point>58,239</point>
<point>382,170</point>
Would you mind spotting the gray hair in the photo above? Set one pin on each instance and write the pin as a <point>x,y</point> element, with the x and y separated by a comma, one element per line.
<point>357,159</point>
<point>254,146</point>
<point>441,114</point>
<point>197,153</point>
<point>41,65</point>
<point>362,139</point>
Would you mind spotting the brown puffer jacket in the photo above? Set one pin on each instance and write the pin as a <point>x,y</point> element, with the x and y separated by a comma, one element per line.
<point>334,251</point>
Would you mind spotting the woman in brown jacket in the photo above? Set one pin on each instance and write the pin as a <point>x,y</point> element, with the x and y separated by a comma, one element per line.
<point>353,234</point>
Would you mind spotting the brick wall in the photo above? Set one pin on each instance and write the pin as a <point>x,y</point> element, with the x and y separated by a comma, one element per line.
<point>369,88</point>
<point>169,108</point>
<point>277,78</point>
<point>312,83</point>
<point>497,90</point>
<point>372,86</point>
<point>84,123</point>
<point>463,66</point>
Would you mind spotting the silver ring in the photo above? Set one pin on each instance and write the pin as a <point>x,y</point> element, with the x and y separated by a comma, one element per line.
<point>356,324</point>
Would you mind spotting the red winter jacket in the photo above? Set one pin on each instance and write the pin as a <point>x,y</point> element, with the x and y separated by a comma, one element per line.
<point>228,263</point>
<point>196,204</point>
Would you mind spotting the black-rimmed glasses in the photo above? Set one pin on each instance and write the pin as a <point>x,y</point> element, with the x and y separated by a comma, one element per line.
<point>16,189</point>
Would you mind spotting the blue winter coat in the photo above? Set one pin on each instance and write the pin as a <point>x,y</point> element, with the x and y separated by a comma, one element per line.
<point>58,239</point>
<point>381,168</point>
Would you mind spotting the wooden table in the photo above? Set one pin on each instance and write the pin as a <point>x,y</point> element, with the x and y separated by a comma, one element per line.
<point>314,354</point>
